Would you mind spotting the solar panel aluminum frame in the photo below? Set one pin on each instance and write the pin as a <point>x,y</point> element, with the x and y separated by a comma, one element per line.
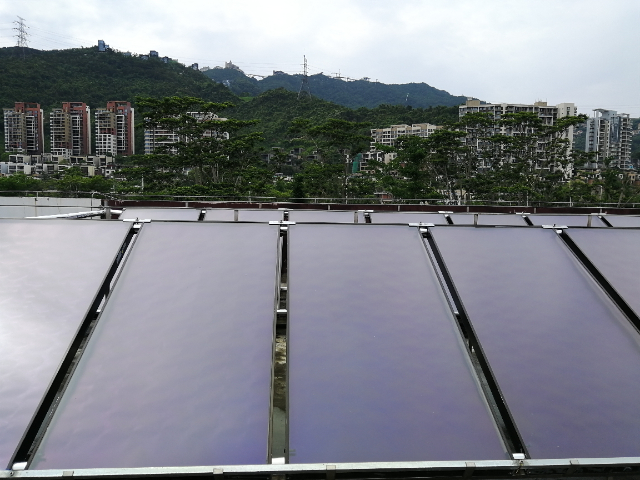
<point>485,469</point>
<point>44,411</point>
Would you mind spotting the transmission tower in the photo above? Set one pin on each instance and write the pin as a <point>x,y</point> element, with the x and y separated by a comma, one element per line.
<point>21,34</point>
<point>304,87</point>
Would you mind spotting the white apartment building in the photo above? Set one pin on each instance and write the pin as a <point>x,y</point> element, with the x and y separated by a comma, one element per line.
<point>388,136</point>
<point>549,114</point>
<point>155,138</point>
<point>609,136</point>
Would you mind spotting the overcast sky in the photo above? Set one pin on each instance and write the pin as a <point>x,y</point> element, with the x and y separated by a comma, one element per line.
<point>519,51</point>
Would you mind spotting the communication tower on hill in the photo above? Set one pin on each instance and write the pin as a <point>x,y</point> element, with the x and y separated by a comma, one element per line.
<point>304,87</point>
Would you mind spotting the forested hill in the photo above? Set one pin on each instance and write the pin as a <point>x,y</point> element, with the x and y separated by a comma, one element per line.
<point>352,94</point>
<point>86,75</point>
<point>276,109</point>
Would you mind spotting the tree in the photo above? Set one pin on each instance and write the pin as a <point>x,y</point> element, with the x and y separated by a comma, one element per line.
<point>213,150</point>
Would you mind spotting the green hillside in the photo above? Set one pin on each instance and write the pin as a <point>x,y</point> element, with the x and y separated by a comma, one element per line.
<point>352,94</point>
<point>52,77</point>
<point>276,110</point>
<point>86,75</point>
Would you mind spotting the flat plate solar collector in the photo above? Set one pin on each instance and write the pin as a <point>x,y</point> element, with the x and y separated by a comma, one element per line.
<point>178,370</point>
<point>377,368</point>
<point>50,273</point>
<point>566,359</point>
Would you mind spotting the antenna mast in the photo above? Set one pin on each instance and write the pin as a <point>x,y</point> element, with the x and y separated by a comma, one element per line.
<point>304,87</point>
<point>22,34</point>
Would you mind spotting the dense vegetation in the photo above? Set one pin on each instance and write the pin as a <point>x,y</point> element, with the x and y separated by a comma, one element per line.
<point>277,109</point>
<point>439,167</point>
<point>352,94</point>
<point>86,75</point>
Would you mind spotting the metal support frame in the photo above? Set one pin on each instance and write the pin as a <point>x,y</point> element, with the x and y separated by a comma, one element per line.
<point>486,469</point>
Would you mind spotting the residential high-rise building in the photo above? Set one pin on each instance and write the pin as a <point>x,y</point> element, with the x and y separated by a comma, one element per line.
<point>71,129</point>
<point>24,128</point>
<point>115,132</point>
<point>549,114</point>
<point>609,136</point>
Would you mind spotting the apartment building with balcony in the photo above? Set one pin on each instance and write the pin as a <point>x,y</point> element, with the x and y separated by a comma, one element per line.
<point>157,137</point>
<point>549,114</point>
<point>114,126</point>
<point>24,128</point>
<point>609,136</point>
<point>388,136</point>
<point>70,128</point>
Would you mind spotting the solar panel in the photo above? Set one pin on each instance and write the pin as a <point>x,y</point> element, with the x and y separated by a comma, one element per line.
<point>498,220</point>
<point>408,217</point>
<point>615,254</point>
<point>321,216</point>
<point>261,215</point>
<point>220,215</point>
<point>178,370</point>
<point>567,361</point>
<point>184,214</point>
<point>377,368</point>
<point>566,220</point>
<point>623,221</point>
<point>50,273</point>
<point>462,218</point>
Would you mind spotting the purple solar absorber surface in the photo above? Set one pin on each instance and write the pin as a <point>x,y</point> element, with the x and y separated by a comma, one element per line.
<point>185,214</point>
<point>566,220</point>
<point>615,254</point>
<point>377,368</point>
<point>50,273</point>
<point>178,370</point>
<point>322,216</point>
<point>407,217</point>
<point>566,359</point>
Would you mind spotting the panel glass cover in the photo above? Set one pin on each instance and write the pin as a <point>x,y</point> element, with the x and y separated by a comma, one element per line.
<point>50,273</point>
<point>178,370</point>
<point>185,214</point>
<point>615,254</point>
<point>261,215</point>
<point>462,218</point>
<point>322,216</point>
<point>566,220</point>
<point>623,221</point>
<point>220,215</point>
<point>377,368</point>
<point>502,219</point>
<point>565,358</point>
<point>408,217</point>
